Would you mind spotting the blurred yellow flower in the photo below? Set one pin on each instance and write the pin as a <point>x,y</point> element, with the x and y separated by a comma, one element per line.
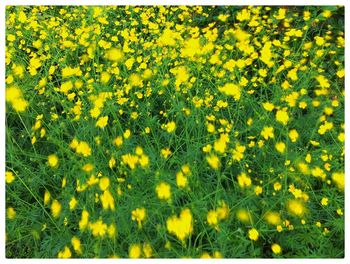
<point>276,249</point>
<point>253,234</point>
<point>181,226</point>
<point>139,215</point>
<point>9,176</point>
<point>163,191</point>
<point>102,122</point>
<point>135,251</point>
<point>53,160</point>
<point>56,208</point>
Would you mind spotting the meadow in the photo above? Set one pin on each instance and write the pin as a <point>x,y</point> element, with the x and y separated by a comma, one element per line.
<point>175,132</point>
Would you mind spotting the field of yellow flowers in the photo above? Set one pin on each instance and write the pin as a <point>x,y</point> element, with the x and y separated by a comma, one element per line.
<point>174,131</point>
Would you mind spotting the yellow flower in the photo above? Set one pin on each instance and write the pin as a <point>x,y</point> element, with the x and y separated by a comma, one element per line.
<point>165,152</point>
<point>325,127</point>
<point>238,152</point>
<point>168,38</point>
<point>105,77</point>
<point>47,197</point>
<point>258,190</point>
<point>9,176</point>
<point>118,141</point>
<point>135,251</point>
<point>11,37</point>
<point>84,220</point>
<point>112,162</point>
<point>281,14</point>
<point>130,160</point>
<point>268,106</point>
<point>163,191</point>
<point>223,210</point>
<point>205,255</point>
<point>129,62</point>
<point>15,97</point>
<point>266,54</point>
<point>83,148</point>
<point>181,226</point>
<point>114,54</point>
<point>13,93</point>
<point>18,70</point>
<point>231,89</point>
<point>104,183</point>
<point>296,207</point>
<point>147,250</point>
<point>138,150</point>
<point>68,72</point>
<point>186,169</point>
<point>281,147</point>
<point>181,74</point>
<point>293,135</point>
<point>339,179</point>
<point>243,215</point>
<point>276,249</point>
<point>98,228</point>
<point>11,213</point>
<point>293,74</point>
<point>253,234</point>
<point>170,127</point>
<point>324,201</point>
<point>73,203</point>
<point>135,80</point>
<point>20,105</point>
<point>323,81</point>
<point>213,161</point>
<point>53,160</point>
<point>139,215</point>
<point>319,41</point>
<point>76,244</point>
<point>56,208</point>
<point>212,218</point>
<point>112,230</point>
<point>277,186</point>
<point>220,144</point>
<point>65,253</point>
<point>127,134</point>
<point>341,73</point>
<point>244,180</point>
<point>267,133</point>
<point>273,218</point>
<point>34,64</point>
<point>181,180</point>
<point>102,122</point>
<point>262,72</point>
<point>107,201</point>
<point>66,87</point>
<point>143,160</point>
<point>210,128</point>
<point>95,112</point>
<point>282,116</point>
<point>326,13</point>
<point>74,144</point>
<point>243,15</point>
<point>88,167</point>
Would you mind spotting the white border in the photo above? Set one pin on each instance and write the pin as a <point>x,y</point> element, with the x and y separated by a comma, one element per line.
<point>3,3</point>
<point>174,2</point>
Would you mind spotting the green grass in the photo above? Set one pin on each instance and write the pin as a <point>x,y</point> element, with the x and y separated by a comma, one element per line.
<point>34,231</point>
